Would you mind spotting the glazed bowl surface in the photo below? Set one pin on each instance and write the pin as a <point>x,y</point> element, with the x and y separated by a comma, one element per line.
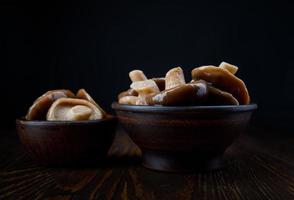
<point>183,138</point>
<point>67,143</point>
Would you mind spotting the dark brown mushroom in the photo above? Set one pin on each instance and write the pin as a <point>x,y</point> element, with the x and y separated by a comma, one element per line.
<point>219,97</point>
<point>160,82</point>
<point>188,94</point>
<point>41,105</point>
<point>224,80</point>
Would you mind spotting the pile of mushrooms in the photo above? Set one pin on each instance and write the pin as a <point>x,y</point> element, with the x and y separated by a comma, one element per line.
<point>63,105</point>
<point>210,85</point>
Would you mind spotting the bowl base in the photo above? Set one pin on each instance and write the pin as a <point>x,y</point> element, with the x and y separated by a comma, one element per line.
<point>178,163</point>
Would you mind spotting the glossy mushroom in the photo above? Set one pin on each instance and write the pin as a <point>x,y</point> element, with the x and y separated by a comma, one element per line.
<point>83,94</point>
<point>145,88</point>
<point>160,82</point>
<point>69,109</point>
<point>137,75</point>
<point>224,80</point>
<point>231,68</point>
<point>132,100</point>
<point>129,92</point>
<point>188,94</point>
<point>174,78</point>
<point>41,105</point>
<point>219,97</point>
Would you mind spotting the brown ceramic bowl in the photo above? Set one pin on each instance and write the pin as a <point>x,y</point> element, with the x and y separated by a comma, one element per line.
<point>187,138</point>
<point>67,143</point>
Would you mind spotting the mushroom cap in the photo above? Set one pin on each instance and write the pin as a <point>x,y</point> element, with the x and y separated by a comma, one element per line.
<point>68,109</point>
<point>219,97</point>
<point>145,88</point>
<point>231,68</point>
<point>129,92</point>
<point>137,75</point>
<point>187,94</point>
<point>83,94</point>
<point>41,105</point>
<point>132,100</point>
<point>174,77</point>
<point>223,80</point>
<point>160,82</point>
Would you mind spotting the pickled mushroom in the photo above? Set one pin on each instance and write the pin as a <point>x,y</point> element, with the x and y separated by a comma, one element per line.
<point>83,94</point>
<point>174,78</point>
<point>68,109</point>
<point>137,75</point>
<point>210,85</point>
<point>145,88</point>
<point>219,97</point>
<point>41,105</point>
<point>129,92</point>
<point>187,94</point>
<point>160,82</point>
<point>224,80</point>
<point>132,100</point>
<point>231,68</point>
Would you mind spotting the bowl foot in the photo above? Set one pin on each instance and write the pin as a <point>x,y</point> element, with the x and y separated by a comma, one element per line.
<point>178,163</point>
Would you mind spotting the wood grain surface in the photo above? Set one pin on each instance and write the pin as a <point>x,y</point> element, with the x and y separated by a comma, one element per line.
<point>258,167</point>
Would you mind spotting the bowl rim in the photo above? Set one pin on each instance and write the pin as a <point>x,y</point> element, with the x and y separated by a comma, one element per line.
<point>180,109</point>
<point>23,121</point>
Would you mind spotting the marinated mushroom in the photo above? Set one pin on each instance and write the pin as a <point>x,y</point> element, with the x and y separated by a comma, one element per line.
<point>129,92</point>
<point>224,80</point>
<point>174,78</point>
<point>160,82</point>
<point>219,97</point>
<point>188,94</point>
<point>145,88</point>
<point>210,85</point>
<point>68,109</point>
<point>83,94</point>
<point>137,75</point>
<point>132,100</point>
<point>41,105</point>
<point>231,68</point>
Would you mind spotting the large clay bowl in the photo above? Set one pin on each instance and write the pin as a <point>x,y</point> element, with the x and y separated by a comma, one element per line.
<point>67,143</point>
<point>185,138</point>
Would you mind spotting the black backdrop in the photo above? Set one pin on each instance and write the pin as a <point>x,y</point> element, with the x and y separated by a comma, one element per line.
<point>93,44</point>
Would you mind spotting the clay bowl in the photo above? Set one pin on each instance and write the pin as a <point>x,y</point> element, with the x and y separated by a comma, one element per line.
<point>67,143</point>
<point>186,138</point>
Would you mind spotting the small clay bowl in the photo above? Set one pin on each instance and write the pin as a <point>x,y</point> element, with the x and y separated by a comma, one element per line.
<point>186,138</point>
<point>67,143</point>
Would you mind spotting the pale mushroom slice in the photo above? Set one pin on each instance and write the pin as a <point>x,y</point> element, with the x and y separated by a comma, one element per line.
<point>132,100</point>
<point>41,105</point>
<point>145,88</point>
<point>70,109</point>
<point>129,92</point>
<point>223,80</point>
<point>137,75</point>
<point>174,77</point>
<point>83,94</point>
<point>231,68</point>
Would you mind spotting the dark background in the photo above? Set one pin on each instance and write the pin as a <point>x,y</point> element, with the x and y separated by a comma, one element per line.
<point>94,44</point>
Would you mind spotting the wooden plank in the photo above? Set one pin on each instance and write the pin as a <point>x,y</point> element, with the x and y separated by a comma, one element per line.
<point>256,169</point>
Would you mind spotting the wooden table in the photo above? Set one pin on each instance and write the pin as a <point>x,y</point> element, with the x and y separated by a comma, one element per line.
<point>258,167</point>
